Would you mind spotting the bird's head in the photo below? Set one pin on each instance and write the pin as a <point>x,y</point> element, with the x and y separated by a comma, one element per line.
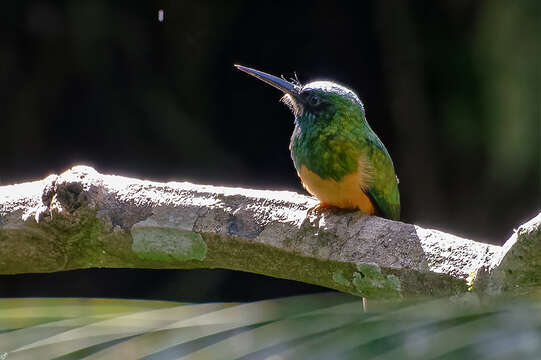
<point>315,100</point>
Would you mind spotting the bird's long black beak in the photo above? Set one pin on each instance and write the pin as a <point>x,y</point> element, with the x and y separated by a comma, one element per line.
<point>280,84</point>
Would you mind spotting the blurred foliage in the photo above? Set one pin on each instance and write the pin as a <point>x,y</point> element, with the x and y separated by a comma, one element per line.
<point>319,326</point>
<point>452,88</point>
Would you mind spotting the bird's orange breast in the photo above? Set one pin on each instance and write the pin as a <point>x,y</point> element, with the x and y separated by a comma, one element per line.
<point>346,193</point>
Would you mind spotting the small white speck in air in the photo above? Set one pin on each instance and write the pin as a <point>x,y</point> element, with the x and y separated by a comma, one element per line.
<point>161,15</point>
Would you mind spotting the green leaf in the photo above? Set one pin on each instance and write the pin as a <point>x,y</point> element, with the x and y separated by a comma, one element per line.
<point>319,326</point>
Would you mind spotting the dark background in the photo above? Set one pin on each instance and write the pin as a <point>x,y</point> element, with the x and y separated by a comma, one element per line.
<point>453,89</point>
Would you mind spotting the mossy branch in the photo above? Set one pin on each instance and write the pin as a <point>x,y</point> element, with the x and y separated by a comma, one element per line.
<point>83,219</point>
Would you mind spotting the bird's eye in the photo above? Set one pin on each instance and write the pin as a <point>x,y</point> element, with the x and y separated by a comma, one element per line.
<point>314,100</point>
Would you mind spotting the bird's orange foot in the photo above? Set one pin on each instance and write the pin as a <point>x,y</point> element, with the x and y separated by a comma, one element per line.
<point>317,209</point>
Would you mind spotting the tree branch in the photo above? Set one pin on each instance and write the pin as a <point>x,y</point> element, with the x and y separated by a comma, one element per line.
<point>82,219</point>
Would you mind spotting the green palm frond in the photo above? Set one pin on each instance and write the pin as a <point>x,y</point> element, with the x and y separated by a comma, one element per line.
<point>320,326</point>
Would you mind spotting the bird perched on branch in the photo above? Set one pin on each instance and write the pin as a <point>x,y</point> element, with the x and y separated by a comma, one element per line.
<point>338,157</point>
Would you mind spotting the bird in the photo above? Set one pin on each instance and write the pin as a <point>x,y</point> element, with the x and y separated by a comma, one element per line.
<point>337,155</point>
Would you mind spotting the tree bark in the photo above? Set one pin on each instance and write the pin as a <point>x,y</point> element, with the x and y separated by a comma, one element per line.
<point>83,219</point>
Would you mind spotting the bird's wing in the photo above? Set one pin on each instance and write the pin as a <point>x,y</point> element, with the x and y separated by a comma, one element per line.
<point>383,189</point>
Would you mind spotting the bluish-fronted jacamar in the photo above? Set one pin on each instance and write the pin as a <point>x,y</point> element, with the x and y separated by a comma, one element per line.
<point>338,157</point>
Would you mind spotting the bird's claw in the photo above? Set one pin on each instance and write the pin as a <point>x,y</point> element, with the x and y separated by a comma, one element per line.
<point>317,209</point>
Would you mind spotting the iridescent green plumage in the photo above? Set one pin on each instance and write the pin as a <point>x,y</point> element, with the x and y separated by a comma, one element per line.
<point>332,142</point>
